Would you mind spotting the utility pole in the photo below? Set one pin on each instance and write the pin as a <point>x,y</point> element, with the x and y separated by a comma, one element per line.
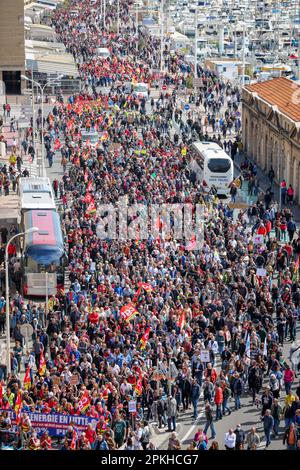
<point>244,33</point>
<point>137,26</point>
<point>33,118</point>
<point>196,41</point>
<point>104,13</point>
<point>161,35</point>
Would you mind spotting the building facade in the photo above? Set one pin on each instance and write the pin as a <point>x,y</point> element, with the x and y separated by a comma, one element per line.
<point>271,128</point>
<point>12,44</point>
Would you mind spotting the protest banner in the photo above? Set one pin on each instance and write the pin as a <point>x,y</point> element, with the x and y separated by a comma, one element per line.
<point>56,424</point>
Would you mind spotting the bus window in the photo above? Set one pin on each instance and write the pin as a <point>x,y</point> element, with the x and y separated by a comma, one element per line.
<point>219,165</point>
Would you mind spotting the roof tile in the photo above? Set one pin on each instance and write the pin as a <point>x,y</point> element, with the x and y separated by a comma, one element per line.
<point>281,92</point>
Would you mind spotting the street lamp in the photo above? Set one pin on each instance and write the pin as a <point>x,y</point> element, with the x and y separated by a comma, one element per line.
<point>42,89</point>
<point>30,230</point>
<point>118,17</point>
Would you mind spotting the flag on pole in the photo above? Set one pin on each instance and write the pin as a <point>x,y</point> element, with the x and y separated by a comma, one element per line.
<point>139,386</point>
<point>144,339</point>
<point>182,320</point>
<point>42,365</point>
<point>248,345</point>
<point>136,296</point>
<point>57,144</point>
<point>91,208</point>
<point>84,402</point>
<point>87,198</point>
<point>73,442</point>
<point>27,379</point>
<point>18,408</point>
<point>128,312</point>
<point>144,285</point>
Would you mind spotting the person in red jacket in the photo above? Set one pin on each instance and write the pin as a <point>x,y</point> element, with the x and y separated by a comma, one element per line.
<point>90,434</point>
<point>218,401</point>
<point>268,226</point>
<point>262,230</point>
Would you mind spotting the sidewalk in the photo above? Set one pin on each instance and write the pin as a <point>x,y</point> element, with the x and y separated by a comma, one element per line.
<point>264,184</point>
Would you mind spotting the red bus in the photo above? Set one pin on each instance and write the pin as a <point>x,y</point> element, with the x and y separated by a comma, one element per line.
<point>44,258</point>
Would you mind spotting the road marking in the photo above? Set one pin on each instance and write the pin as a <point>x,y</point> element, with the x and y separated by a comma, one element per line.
<point>194,426</point>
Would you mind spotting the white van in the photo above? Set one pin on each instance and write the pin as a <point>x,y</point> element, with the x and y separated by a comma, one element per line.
<point>103,52</point>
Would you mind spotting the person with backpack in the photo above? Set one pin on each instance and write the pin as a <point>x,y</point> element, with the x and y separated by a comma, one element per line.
<point>209,420</point>
<point>146,435</point>
<point>226,395</point>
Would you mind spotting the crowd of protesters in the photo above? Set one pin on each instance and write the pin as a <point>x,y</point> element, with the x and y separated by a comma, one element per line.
<point>237,298</point>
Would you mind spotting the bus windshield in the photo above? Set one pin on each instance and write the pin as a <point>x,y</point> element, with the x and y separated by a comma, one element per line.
<point>93,137</point>
<point>140,88</point>
<point>218,165</point>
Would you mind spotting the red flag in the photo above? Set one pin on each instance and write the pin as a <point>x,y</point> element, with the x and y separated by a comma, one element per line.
<point>135,298</point>
<point>57,144</point>
<point>91,208</point>
<point>145,286</point>
<point>42,366</point>
<point>73,442</point>
<point>139,386</point>
<point>89,186</point>
<point>84,402</point>
<point>27,380</point>
<point>87,198</point>
<point>182,320</point>
<point>144,339</point>
<point>128,312</point>
<point>18,408</point>
<point>296,268</point>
